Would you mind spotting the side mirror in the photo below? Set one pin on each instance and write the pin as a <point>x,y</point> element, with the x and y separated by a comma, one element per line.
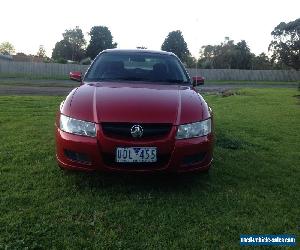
<point>198,80</point>
<point>75,76</point>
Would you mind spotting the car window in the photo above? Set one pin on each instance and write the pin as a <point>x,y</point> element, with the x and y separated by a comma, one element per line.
<point>146,67</point>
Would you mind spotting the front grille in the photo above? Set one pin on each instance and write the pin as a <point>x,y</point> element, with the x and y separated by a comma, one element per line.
<point>162,160</point>
<point>123,129</point>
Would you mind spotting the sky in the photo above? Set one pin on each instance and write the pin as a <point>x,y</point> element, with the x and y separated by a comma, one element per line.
<point>31,23</point>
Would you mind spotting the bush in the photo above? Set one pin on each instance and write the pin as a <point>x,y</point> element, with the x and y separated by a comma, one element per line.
<point>86,61</point>
<point>61,60</point>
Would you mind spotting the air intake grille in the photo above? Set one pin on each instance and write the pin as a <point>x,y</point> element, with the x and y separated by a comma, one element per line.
<point>123,129</point>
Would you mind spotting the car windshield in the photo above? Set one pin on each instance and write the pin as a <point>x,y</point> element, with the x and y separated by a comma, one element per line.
<point>143,66</point>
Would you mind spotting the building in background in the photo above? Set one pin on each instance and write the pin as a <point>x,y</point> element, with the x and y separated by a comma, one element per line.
<point>21,57</point>
<point>5,58</point>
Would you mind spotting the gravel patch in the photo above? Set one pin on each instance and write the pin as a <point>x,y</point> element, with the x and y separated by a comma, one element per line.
<point>61,88</point>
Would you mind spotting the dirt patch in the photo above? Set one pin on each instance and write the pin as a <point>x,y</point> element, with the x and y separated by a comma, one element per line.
<point>298,98</point>
<point>213,90</point>
<point>6,89</point>
<point>63,87</point>
<point>223,92</point>
<point>228,93</point>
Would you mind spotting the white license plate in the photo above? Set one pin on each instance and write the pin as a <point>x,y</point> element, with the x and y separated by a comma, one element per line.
<point>136,154</point>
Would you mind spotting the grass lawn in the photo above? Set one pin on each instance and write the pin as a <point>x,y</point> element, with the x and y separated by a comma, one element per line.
<point>253,187</point>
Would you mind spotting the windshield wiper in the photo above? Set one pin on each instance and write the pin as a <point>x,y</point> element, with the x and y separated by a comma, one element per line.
<point>176,81</point>
<point>130,78</point>
<point>134,78</point>
<point>98,79</point>
<point>120,79</point>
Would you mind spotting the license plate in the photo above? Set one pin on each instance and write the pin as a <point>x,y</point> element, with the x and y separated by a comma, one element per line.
<point>136,154</point>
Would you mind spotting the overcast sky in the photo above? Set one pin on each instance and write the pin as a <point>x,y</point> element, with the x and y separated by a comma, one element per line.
<point>28,24</point>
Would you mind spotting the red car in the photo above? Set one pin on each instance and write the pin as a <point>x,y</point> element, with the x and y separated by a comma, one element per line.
<point>200,80</point>
<point>135,111</point>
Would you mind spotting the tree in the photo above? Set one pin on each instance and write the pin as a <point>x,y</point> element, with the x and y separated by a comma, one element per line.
<point>41,52</point>
<point>21,54</point>
<point>207,54</point>
<point>227,55</point>
<point>175,43</point>
<point>285,46</point>
<point>71,47</point>
<point>76,40</point>
<point>218,56</point>
<point>6,48</point>
<point>242,55</point>
<point>62,50</point>
<point>101,39</point>
<point>191,61</point>
<point>260,62</point>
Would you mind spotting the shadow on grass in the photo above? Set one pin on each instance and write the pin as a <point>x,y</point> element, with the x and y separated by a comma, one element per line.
<point>139,182</point>
<point>233,143</point>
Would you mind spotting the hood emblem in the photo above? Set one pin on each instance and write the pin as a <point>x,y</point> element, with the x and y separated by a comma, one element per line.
<point>136,131</point>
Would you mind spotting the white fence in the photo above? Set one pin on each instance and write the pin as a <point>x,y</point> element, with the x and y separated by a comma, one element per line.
<point>247,75</point>
<point>54,69</point>
<point>41,69</point>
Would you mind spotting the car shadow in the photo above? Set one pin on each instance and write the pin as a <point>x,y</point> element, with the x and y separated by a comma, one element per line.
<point>125,182</point>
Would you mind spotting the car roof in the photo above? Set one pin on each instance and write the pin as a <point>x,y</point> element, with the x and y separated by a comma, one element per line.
<point>138,51</point>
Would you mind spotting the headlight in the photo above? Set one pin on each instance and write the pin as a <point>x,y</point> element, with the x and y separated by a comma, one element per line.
<point>77,127</point>
<point>194,129</point>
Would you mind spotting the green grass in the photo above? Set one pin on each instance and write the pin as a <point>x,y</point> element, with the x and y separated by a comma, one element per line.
<point>253,187</point>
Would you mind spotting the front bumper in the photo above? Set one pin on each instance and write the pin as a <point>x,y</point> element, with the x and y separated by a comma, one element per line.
<point>91,154</point>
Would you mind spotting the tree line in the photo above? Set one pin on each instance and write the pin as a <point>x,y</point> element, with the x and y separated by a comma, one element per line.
<point>284,49</point>
<point>73,45</point>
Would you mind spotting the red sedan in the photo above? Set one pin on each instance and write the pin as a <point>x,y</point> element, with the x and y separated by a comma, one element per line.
<point>135,111</point>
